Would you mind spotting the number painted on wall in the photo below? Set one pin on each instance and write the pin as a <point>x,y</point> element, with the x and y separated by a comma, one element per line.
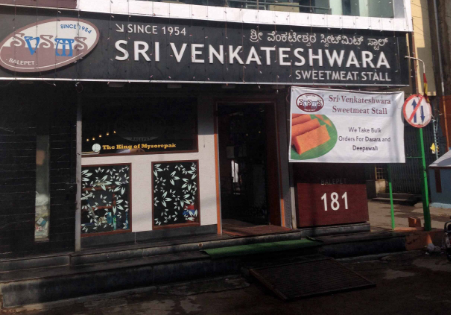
<point>334,201</point>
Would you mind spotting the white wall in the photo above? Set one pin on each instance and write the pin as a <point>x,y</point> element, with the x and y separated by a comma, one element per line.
<point>142,174</point>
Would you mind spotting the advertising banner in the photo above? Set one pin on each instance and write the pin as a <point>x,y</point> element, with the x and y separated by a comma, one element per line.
<point>339,126</point>
<point>84,46</point>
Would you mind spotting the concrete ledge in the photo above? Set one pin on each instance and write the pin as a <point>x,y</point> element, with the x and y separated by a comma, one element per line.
<point>362,247</point>
<point>99,272</point>
<point>335,229</point>
<point>134,237</point>
<point>34,262</point>
<point>176,245</point>
<point>57,288</point>
<point>147,250</point>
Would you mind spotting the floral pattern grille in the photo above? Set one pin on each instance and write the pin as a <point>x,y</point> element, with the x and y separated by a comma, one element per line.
<point>105,198</point>
<point>175,193</point>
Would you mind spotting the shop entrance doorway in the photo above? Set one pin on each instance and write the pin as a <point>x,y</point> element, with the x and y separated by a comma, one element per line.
<point>248,167</point>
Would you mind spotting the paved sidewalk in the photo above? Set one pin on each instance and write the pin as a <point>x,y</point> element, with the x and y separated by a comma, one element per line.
<point>380,217</point>
<point>408,283</point>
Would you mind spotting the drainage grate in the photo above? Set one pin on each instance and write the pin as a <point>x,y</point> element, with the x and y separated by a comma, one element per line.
<point>305,279</point>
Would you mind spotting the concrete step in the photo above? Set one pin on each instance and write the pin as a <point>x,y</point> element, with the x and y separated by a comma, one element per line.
<point>95,256</point>
<point>96,274</point>
<point>405,199</point>
<point>89,256</point>
<point>168,246</point>
<point>33,262</point>
<point>387,200</point>
<point>398,195</point>
<point>43,285</point>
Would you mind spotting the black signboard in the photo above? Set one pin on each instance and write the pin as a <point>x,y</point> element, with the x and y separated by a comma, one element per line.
<point>151,49</point>
<point>139,125</point>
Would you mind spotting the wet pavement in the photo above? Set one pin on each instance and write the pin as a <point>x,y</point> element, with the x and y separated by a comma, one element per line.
<point>406,283</point>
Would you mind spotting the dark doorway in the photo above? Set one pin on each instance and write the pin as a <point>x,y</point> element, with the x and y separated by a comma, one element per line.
<point>248,165</point>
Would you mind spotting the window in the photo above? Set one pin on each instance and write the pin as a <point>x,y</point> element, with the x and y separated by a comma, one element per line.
<point>71,4</point>
<point>105,199</point>
<point>42,204</point>
<point>139,126</point>
<point>42,201</point>
<point>314,6</point>
<point>438,181</point>
<point>369,8</point>
<point>175,194</point>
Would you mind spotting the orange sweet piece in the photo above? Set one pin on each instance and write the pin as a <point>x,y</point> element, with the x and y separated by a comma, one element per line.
<point>300,129</point>
<point>311,139</point>
<point>300,119</point>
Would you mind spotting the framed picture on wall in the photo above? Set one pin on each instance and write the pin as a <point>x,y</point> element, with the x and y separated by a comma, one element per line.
<point>106,199</point>
<point>175,194</point>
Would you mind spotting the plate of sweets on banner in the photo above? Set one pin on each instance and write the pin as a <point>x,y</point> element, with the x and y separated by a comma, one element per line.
<point>311,136</point>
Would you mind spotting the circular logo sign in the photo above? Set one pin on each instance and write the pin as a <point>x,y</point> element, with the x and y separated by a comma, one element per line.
<point>417,111</point>
<point>310,102</point>
<point>96,147</point>
<point>48,45</point>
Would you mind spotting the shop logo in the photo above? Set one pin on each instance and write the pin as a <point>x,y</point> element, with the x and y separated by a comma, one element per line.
<point>310,102</point>
<point>48,45</point>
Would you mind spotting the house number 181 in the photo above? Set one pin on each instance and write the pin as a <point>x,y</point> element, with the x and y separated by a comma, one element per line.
<point>334,204</point>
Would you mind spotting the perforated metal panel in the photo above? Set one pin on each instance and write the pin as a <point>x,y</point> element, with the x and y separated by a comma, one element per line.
<point>305,279</point>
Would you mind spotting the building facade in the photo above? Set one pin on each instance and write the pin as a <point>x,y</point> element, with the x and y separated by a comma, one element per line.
<point>129,121</point>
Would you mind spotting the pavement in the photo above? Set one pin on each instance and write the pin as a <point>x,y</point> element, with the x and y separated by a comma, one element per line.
<point>380,216</point>
<point>406,283</point>
<point>196,297</point>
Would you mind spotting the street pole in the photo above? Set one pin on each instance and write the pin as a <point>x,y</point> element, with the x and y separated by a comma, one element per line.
<point>442,81</point>
<point>390,189</point>
<point>424,186</point>
<point>424,178</point>
<point>78,178</point>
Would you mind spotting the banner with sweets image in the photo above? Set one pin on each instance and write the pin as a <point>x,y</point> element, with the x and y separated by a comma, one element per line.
<point>341,126</point>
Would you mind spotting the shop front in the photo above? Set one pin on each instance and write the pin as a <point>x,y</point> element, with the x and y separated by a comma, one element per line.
<point>166,162</point>
<point>183,127</point>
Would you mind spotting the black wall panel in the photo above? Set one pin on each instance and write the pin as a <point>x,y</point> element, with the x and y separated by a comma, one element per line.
<point>25,108</point>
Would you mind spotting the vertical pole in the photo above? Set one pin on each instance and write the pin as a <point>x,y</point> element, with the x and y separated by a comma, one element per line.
<point>424,183</point>
<point>445,116</point>
<point>439,64</point>
<point>78,179</point>
<point>390,189</point>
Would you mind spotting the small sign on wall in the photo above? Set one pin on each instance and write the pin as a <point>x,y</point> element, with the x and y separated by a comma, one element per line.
<point>330,194</point>
<point>331,204</point>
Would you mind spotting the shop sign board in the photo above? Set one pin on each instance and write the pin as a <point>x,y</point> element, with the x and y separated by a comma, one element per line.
<point>47,45</point>
<point>339,126</point>
<point>417,111</point>
<point>151,49</point>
